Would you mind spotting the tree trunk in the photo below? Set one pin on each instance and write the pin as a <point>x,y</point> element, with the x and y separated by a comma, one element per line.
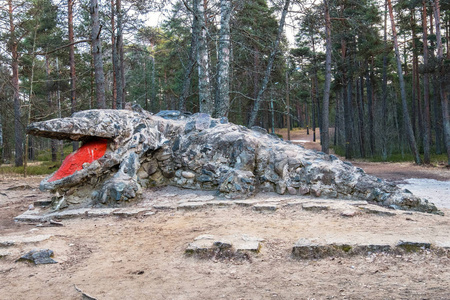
<point>426,95</point>
<point>384,117</point>
<point>114,56</point>
<point>206,104</point>
<point>407,120</point>
<point>53,142</point>
<point>324,136</point>
<point>223,64</point>
<point>73,78</point>
<point>257,104</point>
<point>445,80</point>
<point>370,105</point>
<point>120,70</point>
<point>97,55</point>
<point>18,128</point>
<point>192,61</point>
<point>360,104</point>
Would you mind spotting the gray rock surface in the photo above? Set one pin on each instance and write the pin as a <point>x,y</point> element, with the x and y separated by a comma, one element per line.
<point>199,152</point>
<point>39,257</point>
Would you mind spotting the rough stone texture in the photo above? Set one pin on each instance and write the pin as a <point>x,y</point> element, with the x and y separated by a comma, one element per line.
<point>310,249</point>
<point>7,241</point>
<point>315,207</point>
<point>207,245</point>
<point>145,150</point>
<point>39,257</point>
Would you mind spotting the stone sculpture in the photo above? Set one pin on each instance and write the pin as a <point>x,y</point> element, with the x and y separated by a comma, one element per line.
<point>199,152</point>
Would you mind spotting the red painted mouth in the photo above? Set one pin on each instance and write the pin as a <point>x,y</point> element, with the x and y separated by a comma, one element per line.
<point>87,153</point>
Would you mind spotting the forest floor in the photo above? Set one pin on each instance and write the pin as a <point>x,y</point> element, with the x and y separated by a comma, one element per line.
<point>143,257</point>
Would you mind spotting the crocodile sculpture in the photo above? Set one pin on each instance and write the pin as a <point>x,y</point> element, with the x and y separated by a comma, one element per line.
<point>128,150</point>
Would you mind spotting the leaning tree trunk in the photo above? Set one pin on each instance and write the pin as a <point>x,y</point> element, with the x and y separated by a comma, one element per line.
<point>325,138</point>
<point>445,80</point>
<point>97,55</point>
<point>206,104</point>
<point>407,120</point>
<point>257,104</point>
<point>223,64</point>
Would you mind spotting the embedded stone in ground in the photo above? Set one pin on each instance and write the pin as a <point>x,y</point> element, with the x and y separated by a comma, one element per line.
<point>130,211</point>
<point>315,207</point>
<point>7,241</point>
<point>191,205</point>
<point>39,257</point>
<point>205,246</point>
<point>265,207</point>
<point>411,246</point>
<point>315,249</point>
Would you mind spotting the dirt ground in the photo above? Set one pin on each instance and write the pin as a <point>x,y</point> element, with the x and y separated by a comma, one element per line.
<point>143,257</point>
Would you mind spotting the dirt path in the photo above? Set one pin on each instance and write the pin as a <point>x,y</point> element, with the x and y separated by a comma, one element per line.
<point>142,257</point>
<point>396,172</point>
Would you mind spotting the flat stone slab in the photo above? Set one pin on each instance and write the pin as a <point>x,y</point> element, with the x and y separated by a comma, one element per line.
<point>316,207</point>
<point>219,203</point>
<point>164,206</point>
<point>100,212</point>
<point>27,217</point>
<point>315,249</point>
<point>265,207</point>
<point>6,241</point>
<point>207,245</point>
<point>246,202</point>
<point>68,214</point>
<point>377,210</point>
<point>191,205</point>
<point>130,211</point>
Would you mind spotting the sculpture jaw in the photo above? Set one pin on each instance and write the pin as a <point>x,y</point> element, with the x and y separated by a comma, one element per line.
<point>89,152</point>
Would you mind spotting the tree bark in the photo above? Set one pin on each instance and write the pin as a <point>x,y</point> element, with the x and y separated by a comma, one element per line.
<point>426,89</point>
<point>192,61</point>
<point>407,120</point>
<point>360,104</point>
<point>257,104</point>
<point>206,104</point>
<point>324,135</point>
<point>445,80</point>
<point>384,117</point>
<point>73,78</point>
<point>114,55</point>
<point>119,64</point>
<point>97,55</point>
<point>371,112</point>
<point>18,128</point>
<point>223,64</point>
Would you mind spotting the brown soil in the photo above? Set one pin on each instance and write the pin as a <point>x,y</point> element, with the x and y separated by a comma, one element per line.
<point>143,257</point>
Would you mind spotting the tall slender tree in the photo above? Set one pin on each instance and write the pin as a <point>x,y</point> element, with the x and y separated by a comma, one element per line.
<point>97,54</point>
<point>223,64</point>
<point>406,118</point>
<point>445,78</point>
<point>273,53</point>
<point>325,138</point>
<point>206,103</point>
<point>426,89</point>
